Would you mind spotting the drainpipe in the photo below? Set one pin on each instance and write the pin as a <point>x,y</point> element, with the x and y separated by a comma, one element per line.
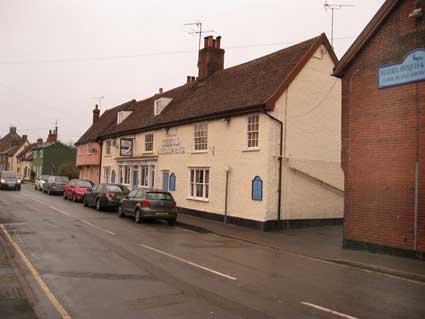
<point>227,169</point>
<point>100,160</point>
<point>279,188</point>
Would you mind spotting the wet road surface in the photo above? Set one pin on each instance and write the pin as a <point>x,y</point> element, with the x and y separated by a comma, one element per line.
<point>100,266</point>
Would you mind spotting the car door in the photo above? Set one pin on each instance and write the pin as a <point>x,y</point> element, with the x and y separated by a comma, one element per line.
<point>136,200</point>
<point>92,195</point>
<point>127,202</point>
<point>68,189</point>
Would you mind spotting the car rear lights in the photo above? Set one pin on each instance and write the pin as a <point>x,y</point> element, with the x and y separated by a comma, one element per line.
<point>174,204</point>
<point>110,195</point>
<point>53,184</point>
<point>145,203</point>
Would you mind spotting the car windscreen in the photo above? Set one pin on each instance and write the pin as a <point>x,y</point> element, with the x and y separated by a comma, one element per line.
<point>159,196</point>
<point>113,189</point>
<point>84,184</point>
<point>61,179</point>
<point>9,175</point>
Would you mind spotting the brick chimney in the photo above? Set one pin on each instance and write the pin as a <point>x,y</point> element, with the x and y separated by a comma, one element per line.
<point>211,57</point>
<point>96,114</point>
<point>12,130</point>
<point>52,137</point>
<point>24,138</point>
<point>39,141</point>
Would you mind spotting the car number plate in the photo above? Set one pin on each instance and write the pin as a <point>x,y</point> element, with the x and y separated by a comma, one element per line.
<point>161,214</point>
<point>119,196</point>
<point>11,185</point>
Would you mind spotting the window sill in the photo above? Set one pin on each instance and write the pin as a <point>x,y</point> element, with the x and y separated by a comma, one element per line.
<point>204,200</point>
<point>107,155</point>
<point>199,152</point>
<point>254,149</point>
<point>147,152</point>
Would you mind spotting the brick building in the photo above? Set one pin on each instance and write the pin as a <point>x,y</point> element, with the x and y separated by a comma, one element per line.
<point>383,94</point>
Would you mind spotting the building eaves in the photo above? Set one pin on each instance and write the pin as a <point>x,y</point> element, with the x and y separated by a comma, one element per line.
<point>364,36</point>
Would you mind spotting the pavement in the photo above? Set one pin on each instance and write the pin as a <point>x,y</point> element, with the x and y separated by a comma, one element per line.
<point>85,264</point>
<point>322,242</point>
<point>13,301</point>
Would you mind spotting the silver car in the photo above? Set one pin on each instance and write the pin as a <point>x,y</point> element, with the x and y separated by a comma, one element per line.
<point>39,182</point>
<point>55,185</point>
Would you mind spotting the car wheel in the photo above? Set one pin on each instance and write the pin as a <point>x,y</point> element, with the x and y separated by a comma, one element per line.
<point>98,205</point>
<point>138,217</point>
<point>74,199</point>
<point>120,212</point>
<point>171,222</point>
<point>64,196</point>
<point>85,202</point>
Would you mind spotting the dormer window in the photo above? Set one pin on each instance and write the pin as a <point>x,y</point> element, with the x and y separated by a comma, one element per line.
<point>160,104</point>
<point>122,115</point>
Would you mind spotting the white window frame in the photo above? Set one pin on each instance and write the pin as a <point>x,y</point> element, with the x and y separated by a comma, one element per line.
<point>249,130</point>
<point>198,129</point>
<point>106,174</point>
<point>147,176</point>
<point>108,147</point>
<point>89,149</point>
<point>204,184</point>
<point>149,143</point>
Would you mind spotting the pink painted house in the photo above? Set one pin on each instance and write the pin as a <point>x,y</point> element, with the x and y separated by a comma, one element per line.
<point>89,150</point>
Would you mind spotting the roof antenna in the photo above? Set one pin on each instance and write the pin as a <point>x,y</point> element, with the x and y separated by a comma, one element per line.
<point>199,32</point>
<point>333,7</point>
<point>99,100</point>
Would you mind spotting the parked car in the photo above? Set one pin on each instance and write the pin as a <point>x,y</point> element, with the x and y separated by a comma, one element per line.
<point>55,185</point>
<point>9,180</point>
<point>76,189</point>
<point>39,182</point>
<point>149,204</point>
<point>104,196</point>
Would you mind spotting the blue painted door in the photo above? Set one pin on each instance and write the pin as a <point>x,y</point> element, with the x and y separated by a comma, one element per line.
<point>165,178</point>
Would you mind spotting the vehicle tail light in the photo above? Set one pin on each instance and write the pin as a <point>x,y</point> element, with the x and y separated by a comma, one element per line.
<point>145,203</point>
<point>53,184</point>
<point>110,195</point>
<point>174,204</point>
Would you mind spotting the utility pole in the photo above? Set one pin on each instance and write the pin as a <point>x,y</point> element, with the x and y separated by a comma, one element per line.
<point>333,7</point>
<point>199,32</point>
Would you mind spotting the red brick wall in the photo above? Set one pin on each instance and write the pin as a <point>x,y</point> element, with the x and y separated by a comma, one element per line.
<point>379,140</point>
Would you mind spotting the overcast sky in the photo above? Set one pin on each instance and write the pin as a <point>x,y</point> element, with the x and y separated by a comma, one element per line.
<point>56,55</point>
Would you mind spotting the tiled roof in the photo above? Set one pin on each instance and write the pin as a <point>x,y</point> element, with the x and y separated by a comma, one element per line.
<point>24,153</point>
<point>240,88</point>
<point>47,144</point>
<point>106,122</point>
<point>9,140</point>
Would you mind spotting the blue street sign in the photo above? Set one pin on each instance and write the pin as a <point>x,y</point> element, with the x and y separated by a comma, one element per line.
<point>410,69</point>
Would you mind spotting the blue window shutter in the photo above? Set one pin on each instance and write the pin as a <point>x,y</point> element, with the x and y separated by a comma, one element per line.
<point>257,188</point>
<point>172,182</point>
<point>165,181</point>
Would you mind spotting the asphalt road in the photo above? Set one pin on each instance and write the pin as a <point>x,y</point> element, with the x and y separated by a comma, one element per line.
<point>100,266</point>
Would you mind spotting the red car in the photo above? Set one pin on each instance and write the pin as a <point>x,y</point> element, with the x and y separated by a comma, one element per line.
<point>76,189</point>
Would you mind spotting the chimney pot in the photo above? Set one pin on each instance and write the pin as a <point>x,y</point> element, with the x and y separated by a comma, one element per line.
<point>96,113</point>
<point>161,90</point>
<point>39,141</point>
<point>211,58</point>
<point>24,138</point>
<point>12,129</point>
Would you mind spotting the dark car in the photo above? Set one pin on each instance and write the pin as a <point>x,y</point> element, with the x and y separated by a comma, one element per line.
<point>76,189</point>
<point>55,185</point>
<point>9,180</point>
<point>105,196</point>
<point>149,204</point>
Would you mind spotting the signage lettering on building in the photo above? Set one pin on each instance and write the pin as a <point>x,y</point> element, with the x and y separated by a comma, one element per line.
<point>171,144</point>
<point>410,69</point>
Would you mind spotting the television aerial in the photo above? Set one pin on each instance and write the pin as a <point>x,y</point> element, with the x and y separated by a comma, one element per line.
<point>333,7</point>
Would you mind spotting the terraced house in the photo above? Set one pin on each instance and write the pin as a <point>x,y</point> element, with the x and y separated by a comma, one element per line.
<point>10,146</point>
<point>257,144</point>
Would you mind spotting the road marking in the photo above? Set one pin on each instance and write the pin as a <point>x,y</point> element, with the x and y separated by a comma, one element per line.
<point>98,227</point>
<point>60,211</point>
<point>343,315</point>
<point>37,276</point>
<point>189,262</point>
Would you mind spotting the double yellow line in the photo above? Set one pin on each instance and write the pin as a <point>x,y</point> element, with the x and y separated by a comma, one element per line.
<point>64,314</point>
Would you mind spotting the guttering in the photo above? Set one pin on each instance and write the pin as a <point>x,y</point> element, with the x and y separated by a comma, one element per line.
<point>279,188</point>
<point>212,116</point>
